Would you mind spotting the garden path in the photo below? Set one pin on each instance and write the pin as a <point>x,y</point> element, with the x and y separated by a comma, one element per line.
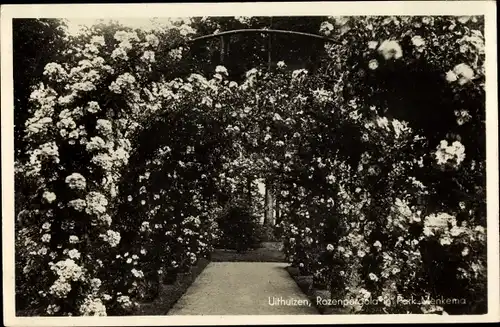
<point>242,288</point>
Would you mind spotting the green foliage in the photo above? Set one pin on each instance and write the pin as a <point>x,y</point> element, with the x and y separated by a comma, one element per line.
<point>239,228</point>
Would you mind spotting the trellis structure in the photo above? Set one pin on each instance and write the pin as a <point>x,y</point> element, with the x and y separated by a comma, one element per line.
<point>226,35</point>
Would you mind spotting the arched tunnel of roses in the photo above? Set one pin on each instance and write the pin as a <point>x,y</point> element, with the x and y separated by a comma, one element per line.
<point>354,154</point>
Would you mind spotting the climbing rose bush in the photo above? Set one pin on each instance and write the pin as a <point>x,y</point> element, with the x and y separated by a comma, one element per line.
<point>410,203</point>
<point>85,116</point>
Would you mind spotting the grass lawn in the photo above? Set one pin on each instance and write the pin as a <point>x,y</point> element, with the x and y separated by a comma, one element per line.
<point>267,252</point>
<point>169,294</point>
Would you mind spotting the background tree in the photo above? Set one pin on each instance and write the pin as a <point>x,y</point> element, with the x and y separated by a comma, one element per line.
<point>36,42</point>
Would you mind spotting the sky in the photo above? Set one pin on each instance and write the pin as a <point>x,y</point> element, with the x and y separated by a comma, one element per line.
<point>75,24</point>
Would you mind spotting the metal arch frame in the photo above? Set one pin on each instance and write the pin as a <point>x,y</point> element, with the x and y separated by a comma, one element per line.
<point>265,31</point>
<point>224,34</point>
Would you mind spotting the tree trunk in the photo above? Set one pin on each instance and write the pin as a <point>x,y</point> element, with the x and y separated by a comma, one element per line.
<point>266,205</point>
<point>249,190</point>
<point>278,213</point>
<point>270,204</point>
<point>222,50</point>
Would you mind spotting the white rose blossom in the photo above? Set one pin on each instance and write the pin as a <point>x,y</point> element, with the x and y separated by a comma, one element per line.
<point>96,203</point>
<point>76,181</point>
<point>92,307</point>
<point>111,237</point>
<point>49,196</point>
<point>93,107</point>
<point>74,254</point>
<point>77,204</point>
<point>390,49</point>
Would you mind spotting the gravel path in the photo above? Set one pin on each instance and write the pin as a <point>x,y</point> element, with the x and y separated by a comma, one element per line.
<point>243,288</point>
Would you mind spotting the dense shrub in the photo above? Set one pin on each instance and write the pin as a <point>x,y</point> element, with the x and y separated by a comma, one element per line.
<point>267,233</point>
<point>240,228</point>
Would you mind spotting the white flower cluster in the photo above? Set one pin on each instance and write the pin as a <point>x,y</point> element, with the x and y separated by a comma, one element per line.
<point>112,237</point>
<point>104,127</point>
<point>148,56</point>
<point>74,254</point>
<point>95,283</point>
<point>401,215</point>
<point>245,20</point>
<point>96,203</point>
<point>60,288</point>
<point>66,271</point>
<point>299,73</point>
<point>418,42</point>
<point>322,96</point>
<point>373,64</point>
<point>102,160</point>
<point>125,40</point>
<point>116,155</point>
<point>53,309</point>
<point>463,116</point>
<point>221,70</point>
<point>437,222</point>
<point>400,128</point>
<point>447,229</point>
<point>281,64</point>
<point>76,181</point>
<point>49,196</point>
<point>152,40</point>
<point>124,301</point>
<point>55,72</point>
<point>326,28</point>
<point>92,306</point>
<point>461,73</point>
<point>93,107</point>
<point>122,82</point>
<point>47,152</point>
<point>176,54</point>
<point>85,86</point>
<point>37,126</point>
<point>186,30</point>
<point>137,273</point>
<point>105,220</point>
<point>98,40</point>
<point>474,42</point>
<point>390,49</point>
<point>452,154</point>
<point>77,204</point>
<point>96,143</point>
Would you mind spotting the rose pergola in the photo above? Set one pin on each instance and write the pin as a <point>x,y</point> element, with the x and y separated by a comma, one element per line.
<point>378,159</point>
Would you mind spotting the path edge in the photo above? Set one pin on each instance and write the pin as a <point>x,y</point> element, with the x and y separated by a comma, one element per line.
<point>170,294</point>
